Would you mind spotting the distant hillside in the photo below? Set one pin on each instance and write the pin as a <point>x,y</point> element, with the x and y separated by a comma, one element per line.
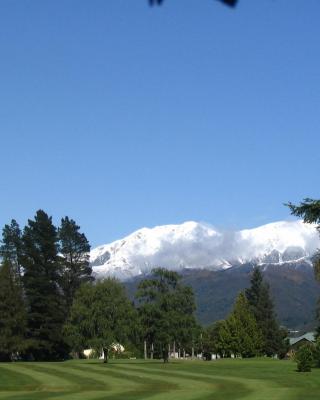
<point>293,287</point>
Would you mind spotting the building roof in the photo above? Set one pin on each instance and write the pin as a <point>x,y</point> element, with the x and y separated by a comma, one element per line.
<point>310,336</point>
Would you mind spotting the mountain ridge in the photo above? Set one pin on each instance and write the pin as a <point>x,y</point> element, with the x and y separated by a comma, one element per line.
<point>194,245</point>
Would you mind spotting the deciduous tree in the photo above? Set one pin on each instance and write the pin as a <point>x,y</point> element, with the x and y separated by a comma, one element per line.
<point>101,315</point>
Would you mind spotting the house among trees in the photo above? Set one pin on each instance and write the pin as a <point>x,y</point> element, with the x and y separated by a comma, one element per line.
<point>297,342</point>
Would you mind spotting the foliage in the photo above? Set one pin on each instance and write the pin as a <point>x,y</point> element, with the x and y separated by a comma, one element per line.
<point>304,358</point>
<point>239,334</point>
<point>74,248</point>
<point>10,248</point>
<point>258,296</point>
<point>242,330</point>
<point>101,315</point>
<point>166,311</point>
<point>316,353</point>
<point>13,317</point>
<point>309,210</point>
<point>41,279</point>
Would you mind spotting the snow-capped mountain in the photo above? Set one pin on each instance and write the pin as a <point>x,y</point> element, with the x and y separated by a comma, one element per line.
<point>201,246</point>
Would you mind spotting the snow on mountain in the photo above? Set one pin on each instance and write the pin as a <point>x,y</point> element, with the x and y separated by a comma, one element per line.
<point>199,245</point>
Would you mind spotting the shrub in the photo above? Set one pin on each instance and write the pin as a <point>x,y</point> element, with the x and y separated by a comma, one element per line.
<point>304,358</point>
<point>317,353</point>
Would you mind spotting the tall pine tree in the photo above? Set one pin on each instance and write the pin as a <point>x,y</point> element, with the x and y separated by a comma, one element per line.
<point>10,248</point>
<point>42,278</point>
<point>243,330</point>
<point>262,306</point>
<point>74,248</point>
<point>13,316</point>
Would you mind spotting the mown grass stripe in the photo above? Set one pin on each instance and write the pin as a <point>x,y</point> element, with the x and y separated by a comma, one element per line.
<point>240,387</point>
<point>139,380</point>
<point>13,380</point>
<point>146,387</point>
<point>182,386</point>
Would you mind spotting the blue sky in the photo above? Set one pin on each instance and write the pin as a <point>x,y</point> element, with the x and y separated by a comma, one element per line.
<point>121,115</point>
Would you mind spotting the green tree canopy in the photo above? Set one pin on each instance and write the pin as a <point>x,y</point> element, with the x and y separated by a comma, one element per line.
<point>41,280</point>
<point>101,315</point>
<point>309,210</point>
<point>242,330</point>
<point>11,244</point>
<point>261,304</point>
<point>13,316</point>
<point>74,248</point>
<point>166,309</point>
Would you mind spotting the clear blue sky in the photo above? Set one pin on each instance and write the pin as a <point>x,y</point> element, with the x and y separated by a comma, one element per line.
<point>121,115</point>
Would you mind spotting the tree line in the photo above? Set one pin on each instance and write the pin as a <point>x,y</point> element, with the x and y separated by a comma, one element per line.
<point>51,307</point>
<point>42,268</point>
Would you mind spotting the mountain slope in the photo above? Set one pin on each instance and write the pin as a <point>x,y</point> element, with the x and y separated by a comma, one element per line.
<point>293,287</point>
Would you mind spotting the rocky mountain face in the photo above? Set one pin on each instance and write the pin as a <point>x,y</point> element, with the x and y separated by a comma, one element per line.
<point>193,245</point>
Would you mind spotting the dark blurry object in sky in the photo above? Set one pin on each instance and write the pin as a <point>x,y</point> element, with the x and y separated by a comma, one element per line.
<point>231,3</point>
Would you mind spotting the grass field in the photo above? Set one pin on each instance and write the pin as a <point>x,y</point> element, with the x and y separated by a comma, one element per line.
<point>132,380</point>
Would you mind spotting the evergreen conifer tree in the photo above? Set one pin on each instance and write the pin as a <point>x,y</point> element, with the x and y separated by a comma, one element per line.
<point>309,210</point>
<point>242,330</point>
<point>74,248</point>
<point>10,248</point>
<point>13,316</point>
<point>261,304</point>
<point>44,297</point>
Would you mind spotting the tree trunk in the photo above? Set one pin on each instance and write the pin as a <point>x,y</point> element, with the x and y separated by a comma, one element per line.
<point>192,352</point>
<point>145,349</point>
<point>151,354</point>
<point>184,353</point>
<point>179,353</point>
<point>169,351</point>
<point>165,354</point>
<point>174,349</point>
<point>105,355</point>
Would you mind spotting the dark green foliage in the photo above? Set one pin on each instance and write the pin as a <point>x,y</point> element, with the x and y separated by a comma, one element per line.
<point>239,334</point>
<point>316,353</point>
<point>304,358</point>
<point>44,297</point>
<point>10,248</point>
<point>309,210</point>
<point>242,330</point>
<point>166,309</point>
<point>217,339</point>
<point>260,302</point>
<point>13,317</point>
<point>294,291</point>
<point>74,248</point>
<point>101,315</point>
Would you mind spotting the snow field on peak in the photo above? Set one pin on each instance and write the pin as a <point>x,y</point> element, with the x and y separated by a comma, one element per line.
<point>199,245</point>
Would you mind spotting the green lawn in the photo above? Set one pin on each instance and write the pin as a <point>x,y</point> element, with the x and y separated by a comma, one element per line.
<point>134,380</point>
